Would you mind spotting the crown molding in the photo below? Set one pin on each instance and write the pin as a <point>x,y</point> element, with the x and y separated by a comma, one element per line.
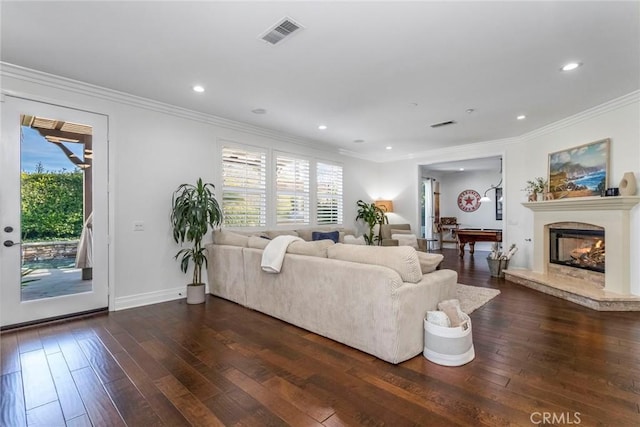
<point>598,110</point>
<point>63,83</point>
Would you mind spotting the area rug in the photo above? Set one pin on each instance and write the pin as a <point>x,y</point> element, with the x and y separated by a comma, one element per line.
<point>473,297</point>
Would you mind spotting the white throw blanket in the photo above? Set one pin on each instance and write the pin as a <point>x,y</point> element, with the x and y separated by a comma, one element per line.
<point>274,252</point>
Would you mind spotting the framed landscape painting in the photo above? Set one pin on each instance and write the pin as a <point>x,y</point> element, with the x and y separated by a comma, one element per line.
<point>579,171</point>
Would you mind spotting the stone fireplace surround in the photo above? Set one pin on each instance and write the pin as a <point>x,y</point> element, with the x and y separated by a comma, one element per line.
<point>610,213</point>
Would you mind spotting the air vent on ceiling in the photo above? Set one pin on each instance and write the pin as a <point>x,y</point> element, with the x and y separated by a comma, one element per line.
<point>281,30</point>
<point>437,125</point>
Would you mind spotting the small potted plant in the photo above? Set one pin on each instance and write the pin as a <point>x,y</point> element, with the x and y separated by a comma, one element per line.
<point>371,215</point>
<point>536,188</point>
<point>194,210</point>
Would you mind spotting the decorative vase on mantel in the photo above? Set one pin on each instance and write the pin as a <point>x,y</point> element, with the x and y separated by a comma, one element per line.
<point>627,186</point>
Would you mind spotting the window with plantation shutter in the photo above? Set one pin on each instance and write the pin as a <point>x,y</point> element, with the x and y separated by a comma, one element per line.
<point>329,193</point>
<point>292,190</point>
<point>244,192</point>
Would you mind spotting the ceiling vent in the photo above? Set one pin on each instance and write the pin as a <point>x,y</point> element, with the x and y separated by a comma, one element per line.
<point>437,125</point>
<point>281,30</point>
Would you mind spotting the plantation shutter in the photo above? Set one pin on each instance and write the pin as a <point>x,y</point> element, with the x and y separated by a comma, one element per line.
<point>244,197</point>
<point>329,193</point>
<point>292,190</point>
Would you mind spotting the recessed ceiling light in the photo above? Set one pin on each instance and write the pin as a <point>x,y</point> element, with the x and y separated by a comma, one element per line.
<point>461,169</point>
<point>358,141</point>
<point>521,117</point>
<point>388,147</point>
<point>571,66</point>
<point>259,111</point>
<point>470,110</point>
<point>198,88</point>
<point>322,127</point>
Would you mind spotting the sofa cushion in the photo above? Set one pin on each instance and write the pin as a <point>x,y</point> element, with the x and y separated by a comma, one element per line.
<point>223,237</point>
<point>330,235</point>
<point>272,234</point>
<point>258,242</point>
<point>429,262</point>
<point>317,248</point>
<point>406,240</point>
<point>402,259</point>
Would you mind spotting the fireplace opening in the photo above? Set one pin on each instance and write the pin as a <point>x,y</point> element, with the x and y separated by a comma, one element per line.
<point>577,248</point>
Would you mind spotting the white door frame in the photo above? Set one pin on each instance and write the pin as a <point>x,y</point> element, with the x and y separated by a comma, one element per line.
<point>12,310</point>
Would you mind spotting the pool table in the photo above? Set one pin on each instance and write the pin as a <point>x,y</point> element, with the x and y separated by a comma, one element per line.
<point>473,235</point>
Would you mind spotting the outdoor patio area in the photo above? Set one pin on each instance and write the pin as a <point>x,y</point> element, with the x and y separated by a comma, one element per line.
<point>53,282</point>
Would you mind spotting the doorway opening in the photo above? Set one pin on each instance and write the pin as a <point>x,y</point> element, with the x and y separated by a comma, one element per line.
<point>459,186</point>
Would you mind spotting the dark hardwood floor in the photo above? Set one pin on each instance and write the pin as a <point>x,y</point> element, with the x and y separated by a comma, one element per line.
<point>539,360</point>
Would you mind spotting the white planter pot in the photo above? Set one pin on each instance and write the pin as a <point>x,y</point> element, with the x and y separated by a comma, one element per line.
<point>539,197</point>
<point>195,294</point>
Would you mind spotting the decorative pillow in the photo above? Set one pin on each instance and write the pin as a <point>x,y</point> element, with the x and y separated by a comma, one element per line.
<point>317,248</point>
<point>401,259</point>
<point>275,233</point>
<point>452,308</point>
<point>429,262</point>
<point>222,237</point>
<point>331,235</point>
<point>305,233</point>
<point>406,240</point>
<point>258,242</point>
<point>353,240</point>
<point>439,318</point>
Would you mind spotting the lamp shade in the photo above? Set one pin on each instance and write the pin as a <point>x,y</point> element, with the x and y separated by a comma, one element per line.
<point>485,199</point>
<point>384,205</point>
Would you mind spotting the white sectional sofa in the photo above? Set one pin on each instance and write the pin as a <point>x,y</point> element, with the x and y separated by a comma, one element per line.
<point>371,298</point>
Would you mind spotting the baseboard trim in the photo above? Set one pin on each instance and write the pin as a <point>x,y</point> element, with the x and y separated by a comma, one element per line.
<point>138,300</point>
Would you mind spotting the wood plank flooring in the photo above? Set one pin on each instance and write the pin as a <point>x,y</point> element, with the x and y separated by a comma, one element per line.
<point>539,360</point>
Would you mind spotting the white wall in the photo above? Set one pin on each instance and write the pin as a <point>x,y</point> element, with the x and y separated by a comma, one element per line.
<point>153,148</point>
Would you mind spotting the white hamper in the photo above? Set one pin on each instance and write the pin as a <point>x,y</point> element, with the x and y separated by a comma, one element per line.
<point>449,346</point>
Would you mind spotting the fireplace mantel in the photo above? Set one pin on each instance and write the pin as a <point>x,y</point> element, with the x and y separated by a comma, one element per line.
<point>615,203</point>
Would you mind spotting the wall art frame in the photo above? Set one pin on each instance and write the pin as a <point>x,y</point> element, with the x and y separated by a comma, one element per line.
<point>580,171</point>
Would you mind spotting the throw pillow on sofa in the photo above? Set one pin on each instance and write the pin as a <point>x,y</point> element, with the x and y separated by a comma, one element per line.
<point>272,234</point>
<point>331,235</point>
<point>429,262</point>
<point>353,240</point>
<point>406,240</point>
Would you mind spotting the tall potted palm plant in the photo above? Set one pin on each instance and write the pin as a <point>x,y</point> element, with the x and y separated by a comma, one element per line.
<point>371,215</point>
<point>194,210</point>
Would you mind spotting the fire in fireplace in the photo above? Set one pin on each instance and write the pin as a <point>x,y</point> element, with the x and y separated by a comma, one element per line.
<point>577,248</point>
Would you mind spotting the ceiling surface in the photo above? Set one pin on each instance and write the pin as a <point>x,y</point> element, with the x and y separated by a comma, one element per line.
<point>377,72</point>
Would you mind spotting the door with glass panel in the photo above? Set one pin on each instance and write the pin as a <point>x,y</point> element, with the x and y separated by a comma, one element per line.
<point>54,214</point>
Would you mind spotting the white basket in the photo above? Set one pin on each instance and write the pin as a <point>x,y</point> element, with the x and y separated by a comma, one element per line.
<point>449,346</point>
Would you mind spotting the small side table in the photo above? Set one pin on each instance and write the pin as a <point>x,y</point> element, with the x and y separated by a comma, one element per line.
<point>429,242</point>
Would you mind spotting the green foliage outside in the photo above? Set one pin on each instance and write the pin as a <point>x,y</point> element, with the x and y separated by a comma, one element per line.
<point>51,205</point>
